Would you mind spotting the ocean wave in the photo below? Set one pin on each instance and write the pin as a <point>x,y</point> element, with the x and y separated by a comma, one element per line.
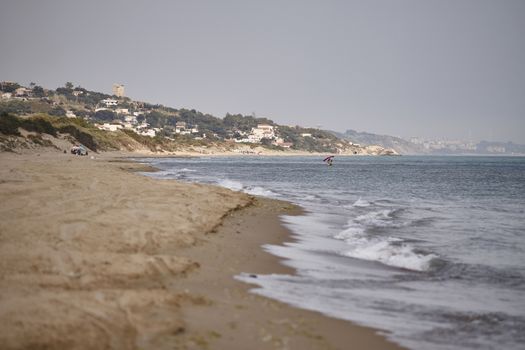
<point>171,173</point>
<point>186,170</point>
<point>239,186</point>
<point>350,233</point>
<point>390,251</point>
<point>509,277</point>
<point>383,251</point>
<point>231,184</point>
<point>382,218</point>
<point>480,330</point>
<point>309,197</point>
<point>260,191</point>
<point>165,174</point>
<point>361,203</point>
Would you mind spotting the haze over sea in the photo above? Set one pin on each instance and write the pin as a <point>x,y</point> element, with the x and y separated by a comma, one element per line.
<point>429,249</point>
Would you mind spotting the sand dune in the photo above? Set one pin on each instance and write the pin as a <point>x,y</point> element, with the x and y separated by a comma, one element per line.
<point>87,251</point>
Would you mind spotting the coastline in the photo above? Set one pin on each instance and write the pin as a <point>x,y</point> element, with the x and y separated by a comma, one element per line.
<point>96,256</point>
<point>246,320</point>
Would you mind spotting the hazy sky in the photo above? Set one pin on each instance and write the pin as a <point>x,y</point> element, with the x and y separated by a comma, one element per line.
<point>440,68</point>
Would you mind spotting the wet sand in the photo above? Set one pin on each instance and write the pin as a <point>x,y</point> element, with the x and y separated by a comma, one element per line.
<point>96,256</point>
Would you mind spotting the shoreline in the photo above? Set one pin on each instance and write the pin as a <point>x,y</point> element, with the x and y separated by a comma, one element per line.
<point>188,154</point>
<point>82,268</point>
<point>243,317</point>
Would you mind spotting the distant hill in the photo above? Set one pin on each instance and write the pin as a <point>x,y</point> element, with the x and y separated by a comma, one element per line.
<point>366,139</point>
<point>428,147</point>
<point>108,122</point>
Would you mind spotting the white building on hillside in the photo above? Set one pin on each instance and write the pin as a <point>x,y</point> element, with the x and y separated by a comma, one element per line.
<point>131,119</point>
<point>180,128</point>
<point>70,114</point>
<point>110,126</point>
<point>280,142</point>
<point>148,132</point>
<point>22,91</point>
<point>262,131</point>
<point>109,102</point>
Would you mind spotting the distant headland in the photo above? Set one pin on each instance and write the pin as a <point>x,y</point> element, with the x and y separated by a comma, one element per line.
<point>103,122</point>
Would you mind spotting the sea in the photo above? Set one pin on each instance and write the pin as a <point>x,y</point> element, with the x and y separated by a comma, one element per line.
<point>428,250</point>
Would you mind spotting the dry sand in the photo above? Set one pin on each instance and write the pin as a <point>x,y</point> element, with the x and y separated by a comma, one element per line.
<point>94,256</point>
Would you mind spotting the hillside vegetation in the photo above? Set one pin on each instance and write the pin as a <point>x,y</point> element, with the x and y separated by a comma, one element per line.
<point>79,131</point>
<point>86,116</point>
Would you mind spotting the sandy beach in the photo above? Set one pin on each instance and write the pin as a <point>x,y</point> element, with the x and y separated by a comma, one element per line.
<point>96,256</point>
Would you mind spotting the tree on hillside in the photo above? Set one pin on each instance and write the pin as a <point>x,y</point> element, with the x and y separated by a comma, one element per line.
<point>38,91</point>
<point>80,113</point>
<point>64,91</point>
<point>7,86</point>
<point>69,85</point>
<point>105,115</point>
<point>155,119</point>
<point>239,122</point>
<point>206,122</point>
<point>141,118</point>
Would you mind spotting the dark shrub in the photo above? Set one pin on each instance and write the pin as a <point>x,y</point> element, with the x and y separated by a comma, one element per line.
<point>9,124</point>
<point>57,111</point>
<point>105,115</point>
<point>38,125</point>
<point>82,137</point>
<point>15,106</point>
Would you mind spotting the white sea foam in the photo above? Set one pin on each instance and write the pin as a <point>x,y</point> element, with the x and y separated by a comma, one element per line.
<point>308,197</point>
<point>350,233</point>
<point>361,203</point>
<point>253,190</point>
<point>171,173</point>
<point>382,218</point>
<point>165,174</point>
<point>260,191</point>
<point>390,251</point>
<point>231,184</point>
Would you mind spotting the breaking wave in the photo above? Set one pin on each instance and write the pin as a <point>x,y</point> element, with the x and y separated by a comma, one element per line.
<point>389,253</point>
<point>253,190</point>
<point>382,218</point>
<point>389,250</point>
<point>260,191</point>
<point>231,184</point>
<point>361,203</point>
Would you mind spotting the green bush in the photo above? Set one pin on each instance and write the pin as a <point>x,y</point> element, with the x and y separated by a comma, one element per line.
<point>15,106</point>
<point>57,111</point>
<point>38,125</point>
<point>9,124</point>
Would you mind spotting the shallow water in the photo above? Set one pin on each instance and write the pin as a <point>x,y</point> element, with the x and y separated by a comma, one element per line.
<point>429,249</point>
